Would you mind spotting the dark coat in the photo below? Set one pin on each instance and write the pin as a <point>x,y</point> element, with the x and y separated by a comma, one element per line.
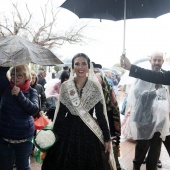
<point>16,112</point>
<point>41,81</point>
<point>42,96</point>
<point>150,76</point>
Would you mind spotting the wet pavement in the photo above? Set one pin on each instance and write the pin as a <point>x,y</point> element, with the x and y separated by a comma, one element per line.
<point>127,148</point>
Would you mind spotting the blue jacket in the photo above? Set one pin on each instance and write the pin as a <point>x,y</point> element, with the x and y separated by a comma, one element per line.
<point>16,121</point>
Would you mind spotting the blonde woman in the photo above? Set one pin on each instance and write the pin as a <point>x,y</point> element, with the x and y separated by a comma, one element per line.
<point>19,102</point>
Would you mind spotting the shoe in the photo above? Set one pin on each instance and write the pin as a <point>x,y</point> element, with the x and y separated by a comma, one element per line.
<point>159,164</point>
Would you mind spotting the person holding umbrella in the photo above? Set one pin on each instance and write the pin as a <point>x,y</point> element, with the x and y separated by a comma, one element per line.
<point>19,102</point>
<point>150,135</point>
<point>150,76</point>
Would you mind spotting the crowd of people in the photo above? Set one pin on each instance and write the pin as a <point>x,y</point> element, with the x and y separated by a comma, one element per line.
<point>81,101</point>
<point>86,117</point>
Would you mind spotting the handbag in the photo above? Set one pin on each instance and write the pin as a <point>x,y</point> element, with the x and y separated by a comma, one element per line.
<point>40,123</point>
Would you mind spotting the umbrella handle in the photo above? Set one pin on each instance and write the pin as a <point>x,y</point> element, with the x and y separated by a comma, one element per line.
<point>124,32</point>
<point>15,76</point>
<point>122,60</point>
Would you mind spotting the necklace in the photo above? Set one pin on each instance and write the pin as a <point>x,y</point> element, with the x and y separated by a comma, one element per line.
<point>80,90</point>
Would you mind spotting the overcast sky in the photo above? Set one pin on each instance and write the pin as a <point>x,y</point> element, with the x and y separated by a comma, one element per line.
<point>143,36</point>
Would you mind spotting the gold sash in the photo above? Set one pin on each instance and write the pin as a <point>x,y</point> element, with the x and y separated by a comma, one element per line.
<point>87,119</point>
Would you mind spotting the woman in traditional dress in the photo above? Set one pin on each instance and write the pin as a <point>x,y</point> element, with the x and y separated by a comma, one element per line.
<point>82,143</point>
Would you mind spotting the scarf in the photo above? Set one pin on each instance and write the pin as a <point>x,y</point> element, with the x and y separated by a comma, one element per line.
<point>23,87</point>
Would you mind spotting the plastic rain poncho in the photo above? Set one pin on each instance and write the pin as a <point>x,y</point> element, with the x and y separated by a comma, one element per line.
<point>150,110</point>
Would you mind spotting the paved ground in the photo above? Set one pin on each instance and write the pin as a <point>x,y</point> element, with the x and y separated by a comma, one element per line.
<point>127,148</point>
<point>34,165</point>
<point>127,152</point>
<point>127,155</point>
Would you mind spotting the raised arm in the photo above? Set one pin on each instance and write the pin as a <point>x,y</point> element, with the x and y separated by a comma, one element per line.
<point>144,74</point>
<point>150,76</point>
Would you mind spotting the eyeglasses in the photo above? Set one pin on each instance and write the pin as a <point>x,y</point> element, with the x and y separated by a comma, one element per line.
<point>19,76</point>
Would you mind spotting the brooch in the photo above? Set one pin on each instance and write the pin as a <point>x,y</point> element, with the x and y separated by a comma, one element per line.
<point>72,92</point>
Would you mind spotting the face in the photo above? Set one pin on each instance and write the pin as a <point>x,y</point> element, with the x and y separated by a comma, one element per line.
<point>18,78</point>
<point>43,74</point>
<point>81,66</point>
<point>109,75</point>
<point>33,80</point>
<point>156,61</point>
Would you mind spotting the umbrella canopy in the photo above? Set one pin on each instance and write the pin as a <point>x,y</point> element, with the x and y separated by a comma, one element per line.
<point>113,71</point>
<point>67,61</point>
<point>16,50</point>
<point>118,9</point>
<point>114,9</point>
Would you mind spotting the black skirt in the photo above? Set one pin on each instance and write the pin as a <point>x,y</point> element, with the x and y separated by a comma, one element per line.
<point>76,149</point>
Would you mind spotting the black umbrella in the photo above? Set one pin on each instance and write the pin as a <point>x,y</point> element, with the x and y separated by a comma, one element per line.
<point>118,9</point>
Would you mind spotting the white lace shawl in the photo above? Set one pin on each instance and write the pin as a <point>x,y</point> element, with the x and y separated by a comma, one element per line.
<point>90,96</point>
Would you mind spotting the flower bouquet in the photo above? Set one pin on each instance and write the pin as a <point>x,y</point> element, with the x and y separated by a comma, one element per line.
<point>44,139</point>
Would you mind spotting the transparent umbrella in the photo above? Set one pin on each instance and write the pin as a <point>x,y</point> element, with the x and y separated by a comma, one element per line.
<point>66,62</point>
<point>16,50</point>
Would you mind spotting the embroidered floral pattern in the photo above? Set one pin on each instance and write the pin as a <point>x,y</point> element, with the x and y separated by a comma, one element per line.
<point>91,96</point>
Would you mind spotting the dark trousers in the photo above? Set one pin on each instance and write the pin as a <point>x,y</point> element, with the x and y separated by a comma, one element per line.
<point>142,147</point>
<point>19,151</point>
<point>115,152</point>
<point>167,144</point>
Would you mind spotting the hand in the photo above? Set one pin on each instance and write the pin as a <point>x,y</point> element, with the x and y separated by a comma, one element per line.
<point>41,113</point>
<point>125,63</point>
<point>107,146</point>
<point>15,90</point>
<point>43,155</point>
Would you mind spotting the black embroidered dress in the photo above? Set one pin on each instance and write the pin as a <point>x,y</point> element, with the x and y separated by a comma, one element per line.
<point>78,148</point>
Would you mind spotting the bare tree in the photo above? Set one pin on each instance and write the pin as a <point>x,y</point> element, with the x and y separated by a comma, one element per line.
<point>44,34</point>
